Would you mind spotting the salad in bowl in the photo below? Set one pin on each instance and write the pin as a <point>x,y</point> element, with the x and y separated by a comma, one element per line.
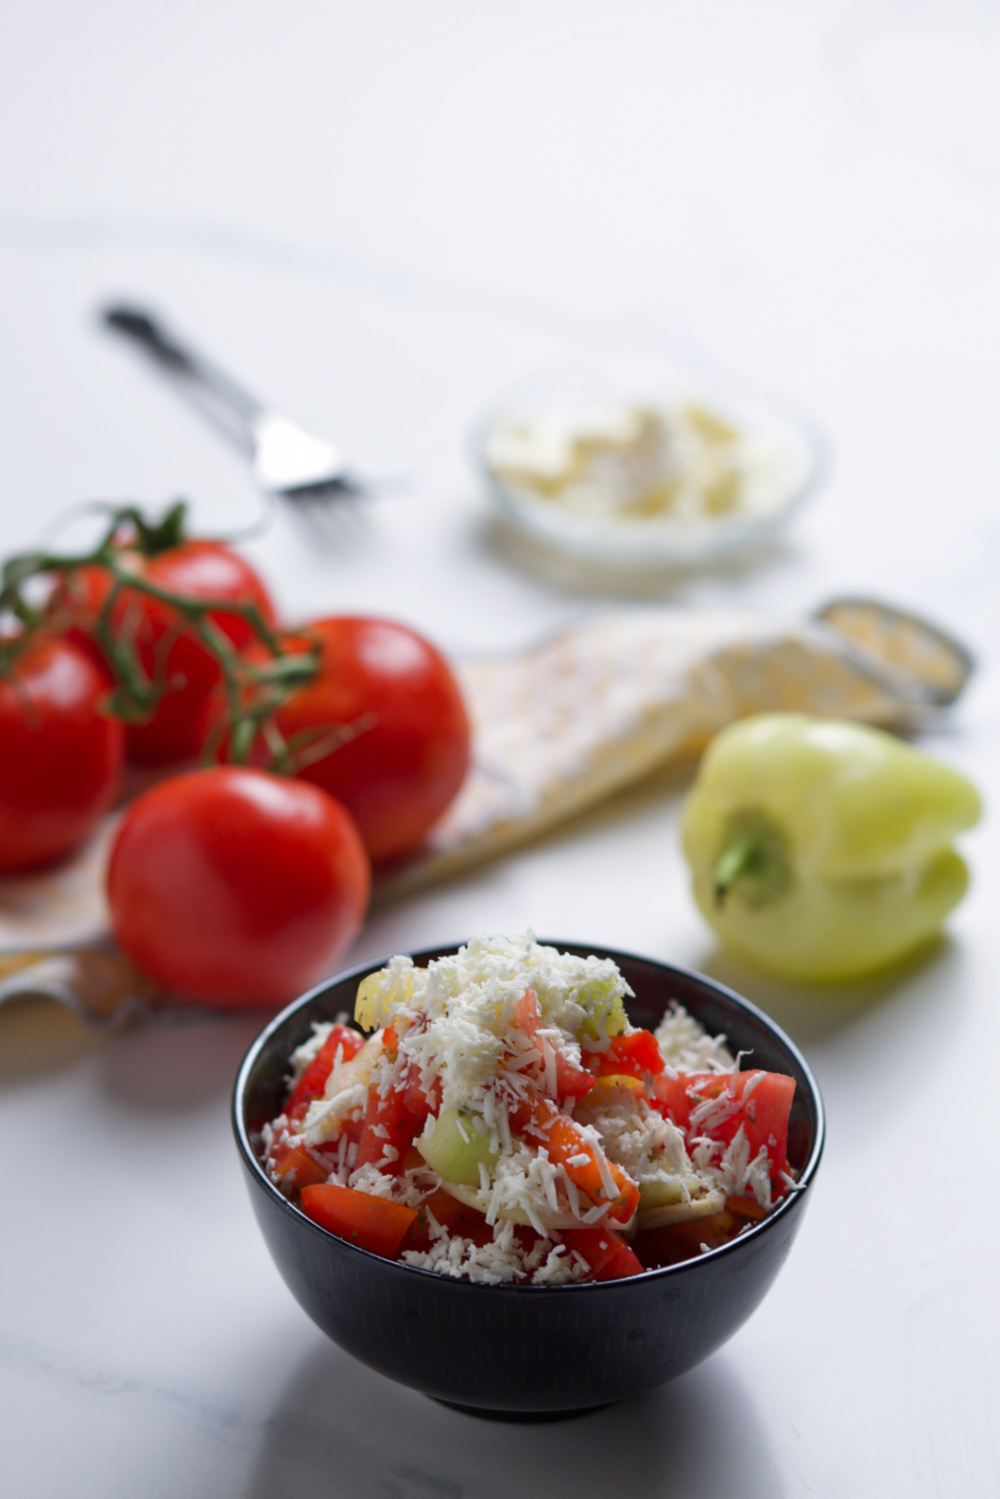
<point>527,1179</point>
<point>503,1121</point>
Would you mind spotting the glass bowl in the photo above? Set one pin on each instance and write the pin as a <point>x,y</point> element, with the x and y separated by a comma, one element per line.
<point>529,1352</point>
<point>650,488</point>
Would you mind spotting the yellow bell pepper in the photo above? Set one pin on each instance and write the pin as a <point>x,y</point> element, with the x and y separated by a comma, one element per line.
<point>821,849</point>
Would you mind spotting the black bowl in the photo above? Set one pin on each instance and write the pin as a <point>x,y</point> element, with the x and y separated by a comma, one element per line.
<point>524,1352</point>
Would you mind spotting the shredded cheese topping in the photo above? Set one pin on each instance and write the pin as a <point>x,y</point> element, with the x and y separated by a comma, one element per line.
<point>491,1033</point>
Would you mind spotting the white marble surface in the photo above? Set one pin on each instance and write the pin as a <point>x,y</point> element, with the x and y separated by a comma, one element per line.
<point>380,215</point>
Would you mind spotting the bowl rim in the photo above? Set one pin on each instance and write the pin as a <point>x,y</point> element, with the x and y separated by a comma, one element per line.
<point>788,1203</point>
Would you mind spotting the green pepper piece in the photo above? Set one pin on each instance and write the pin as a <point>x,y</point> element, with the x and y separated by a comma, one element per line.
<point>821,848</point>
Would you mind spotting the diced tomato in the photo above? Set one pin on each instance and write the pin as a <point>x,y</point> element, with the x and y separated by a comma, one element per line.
<point>527,1016</point>
<point>526,1237</point>
<point>622,1264</point>
<point>568,1146</point>
<point>676,1095</point>
<point>312,1082</point>
<point>635,1053</point>
<point>370,1222</point>
<point>597,1245</point>
<point>451,1214</point>
<point>387,1121</point>
<point>763,1115</point>
<point>571,1081</point>
<point>419,1103</point>
<point>296,1167</point>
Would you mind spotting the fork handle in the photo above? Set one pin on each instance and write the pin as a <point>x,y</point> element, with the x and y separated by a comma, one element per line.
<point>138,324</point>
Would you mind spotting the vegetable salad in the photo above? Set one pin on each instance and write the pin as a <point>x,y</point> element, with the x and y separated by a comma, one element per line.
<point>502,1121</point>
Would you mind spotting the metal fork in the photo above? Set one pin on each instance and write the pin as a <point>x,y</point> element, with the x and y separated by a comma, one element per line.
<point>286,460</point>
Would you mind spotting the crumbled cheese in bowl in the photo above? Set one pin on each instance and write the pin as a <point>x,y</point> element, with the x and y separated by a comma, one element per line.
<point>630,463</point>
<point>645,465</point>
<point>504,1122</point>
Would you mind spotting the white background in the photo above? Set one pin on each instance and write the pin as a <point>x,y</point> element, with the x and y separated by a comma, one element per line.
<point>380,215</point>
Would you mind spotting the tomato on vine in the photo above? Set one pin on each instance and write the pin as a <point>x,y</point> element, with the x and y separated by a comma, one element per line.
<point>406,750</point>
<point>168,648</point>
<point>60,755</point>
<point>235,887</point>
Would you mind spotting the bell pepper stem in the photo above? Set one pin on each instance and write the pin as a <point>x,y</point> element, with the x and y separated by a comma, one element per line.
<point>735,860</point>
<point>753,860</point>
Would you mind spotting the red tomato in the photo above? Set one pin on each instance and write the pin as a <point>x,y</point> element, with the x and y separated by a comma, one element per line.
<point>569,1146</point>
<point>167,649</point>
<point>633,1055</point>
<point>570,1081</point>
<point>60,758</point>
<point>418,1103</point>
<point>598,1246</point>
<point>372,1223</point>
<point>343,1038</point>
<point>235,887</point>
<point>297,1168</point>
<point>451,1214</point>
<point>763,1112</point>
<point>387,1122</point>
<point>401,772</point>
<point>626,1262</point>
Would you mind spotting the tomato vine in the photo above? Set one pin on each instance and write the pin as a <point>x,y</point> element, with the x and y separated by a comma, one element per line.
<point>252,690</point>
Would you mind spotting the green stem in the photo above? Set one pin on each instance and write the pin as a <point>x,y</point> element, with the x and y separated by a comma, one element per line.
<point>754,859</point>
<point>253,692</point>
<point>736,859</point>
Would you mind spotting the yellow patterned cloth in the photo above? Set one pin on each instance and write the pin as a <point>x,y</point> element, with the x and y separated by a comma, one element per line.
<point>555,729</point>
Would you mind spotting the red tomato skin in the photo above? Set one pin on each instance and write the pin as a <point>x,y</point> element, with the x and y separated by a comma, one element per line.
<point>60,757</point>
<point>635,1054</point>
<point>538,1119</point>
<point>373,1223</point>
<point>571,1081</point>
<point>599,1246</point>
<point>236,888</point>
<point>297,1168</point>
<point>764,1117</point>
<point>398,776</point>
<point>342,1038</point>
<point>194,570</point>
<point>623,1264</point>
<point>391,1115</point>
<point>451,1214</point>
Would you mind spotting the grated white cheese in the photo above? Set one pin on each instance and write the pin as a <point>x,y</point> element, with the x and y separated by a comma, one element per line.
<point>469,1033</point>
<point>504,1259</point>
<point>687,1047</point>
